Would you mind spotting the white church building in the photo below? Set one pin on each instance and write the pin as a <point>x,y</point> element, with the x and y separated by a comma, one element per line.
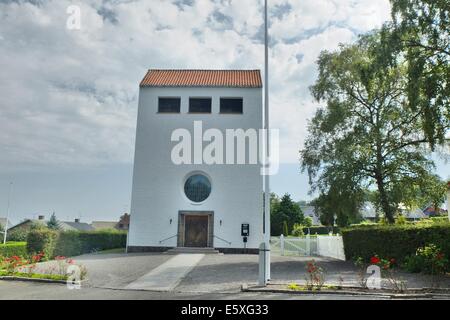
<point>179,198</point>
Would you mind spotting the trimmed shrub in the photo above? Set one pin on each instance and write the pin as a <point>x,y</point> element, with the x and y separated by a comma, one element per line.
<point>13,249</point>
<point>42,240</point>
<point>68,244</point>
<point>321,230</point>
<point>72,243</point>
<point>394,241</point>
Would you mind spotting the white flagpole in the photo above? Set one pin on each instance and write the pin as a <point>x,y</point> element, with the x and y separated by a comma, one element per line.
<point>7,214</point>
<point>266,126</point>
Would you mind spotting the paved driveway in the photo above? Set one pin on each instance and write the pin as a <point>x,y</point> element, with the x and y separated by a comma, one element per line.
<point>210,273</point>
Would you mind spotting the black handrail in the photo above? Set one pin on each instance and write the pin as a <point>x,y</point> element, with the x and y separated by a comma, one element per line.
<point>161,241</point>
<point>222,239</point>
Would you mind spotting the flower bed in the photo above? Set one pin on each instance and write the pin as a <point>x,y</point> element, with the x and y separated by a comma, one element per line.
<point>26,266</point>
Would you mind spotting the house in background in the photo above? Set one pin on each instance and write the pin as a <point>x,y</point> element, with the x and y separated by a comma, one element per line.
<point>103,225</point>
<point>309,211</point>
<point>27,224</point>
<point>432,211</point>
<point>75,225</point>
<point>192,203</point>
<point>123,224</point>
<point>368,212</point>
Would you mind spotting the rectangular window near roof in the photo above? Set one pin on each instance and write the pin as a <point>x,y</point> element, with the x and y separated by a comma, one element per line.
<point>199,105</point>
<point>231,105</point>
<point>169,105</point>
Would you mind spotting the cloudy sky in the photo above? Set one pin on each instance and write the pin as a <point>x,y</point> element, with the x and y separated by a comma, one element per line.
<point>69,97</point>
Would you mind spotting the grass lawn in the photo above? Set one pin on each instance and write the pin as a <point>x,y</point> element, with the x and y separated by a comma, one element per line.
<point>33,275</point>
<point>116,250</point>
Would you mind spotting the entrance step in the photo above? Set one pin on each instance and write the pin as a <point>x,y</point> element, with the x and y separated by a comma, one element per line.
<point>179,250</point>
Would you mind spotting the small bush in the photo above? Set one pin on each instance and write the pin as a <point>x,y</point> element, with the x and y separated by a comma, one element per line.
<point>308,222</point>
<point>400,220</point>
<point>13,249</point>
<point>18,234</point>
<point>42,240</point>
<point>428,259</point>
<point>297,231</point>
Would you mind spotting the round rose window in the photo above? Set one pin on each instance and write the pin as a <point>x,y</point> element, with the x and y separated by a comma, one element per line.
<point>197,188</point>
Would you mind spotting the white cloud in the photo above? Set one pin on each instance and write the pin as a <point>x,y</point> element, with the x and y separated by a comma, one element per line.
<point>69,97</point>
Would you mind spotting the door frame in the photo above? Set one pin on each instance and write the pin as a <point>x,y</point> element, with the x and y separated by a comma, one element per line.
<point>182,227</point>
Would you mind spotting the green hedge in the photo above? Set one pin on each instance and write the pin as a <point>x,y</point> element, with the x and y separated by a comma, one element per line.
<point>396,241</point>
<point>13,249</point>
<point>321,230</point>
<point>72,243</point>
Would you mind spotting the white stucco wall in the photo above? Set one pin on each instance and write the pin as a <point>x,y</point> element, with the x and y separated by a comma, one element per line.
<point>158,195</point>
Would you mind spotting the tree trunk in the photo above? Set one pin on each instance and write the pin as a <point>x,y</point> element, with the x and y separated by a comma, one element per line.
<point>385,205</point>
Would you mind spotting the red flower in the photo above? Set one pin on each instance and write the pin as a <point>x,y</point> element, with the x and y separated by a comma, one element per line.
<point>392,261</point>
<point>439,256</point>
<point>375,260</point>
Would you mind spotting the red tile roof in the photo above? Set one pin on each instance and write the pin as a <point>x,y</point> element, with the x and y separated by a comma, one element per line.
<point>202,78</point>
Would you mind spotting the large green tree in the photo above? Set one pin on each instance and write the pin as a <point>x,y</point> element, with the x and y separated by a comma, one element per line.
<point>284,213</point>
<point>365,136</point>
<point>420,33</point>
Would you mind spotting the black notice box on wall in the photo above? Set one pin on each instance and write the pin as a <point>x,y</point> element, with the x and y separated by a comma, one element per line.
<point>245,230</point>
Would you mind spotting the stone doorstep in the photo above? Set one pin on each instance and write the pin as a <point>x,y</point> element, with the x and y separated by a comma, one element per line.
<point>179,250</point>
<point>348,290</point>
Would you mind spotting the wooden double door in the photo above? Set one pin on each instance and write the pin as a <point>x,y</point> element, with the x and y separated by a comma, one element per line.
<point>196,230</point>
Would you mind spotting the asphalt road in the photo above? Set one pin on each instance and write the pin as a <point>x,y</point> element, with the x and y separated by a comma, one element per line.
<point>21,290</point>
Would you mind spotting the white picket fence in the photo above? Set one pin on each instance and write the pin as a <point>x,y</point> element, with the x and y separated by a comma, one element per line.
<point>321,245</point>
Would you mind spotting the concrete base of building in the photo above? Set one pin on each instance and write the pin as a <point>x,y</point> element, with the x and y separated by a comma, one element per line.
<point>238,250</point>
<point>221,250</point>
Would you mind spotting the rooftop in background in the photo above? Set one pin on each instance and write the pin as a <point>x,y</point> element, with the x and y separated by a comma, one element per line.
<point>202,78</point>
<point>98,225</point>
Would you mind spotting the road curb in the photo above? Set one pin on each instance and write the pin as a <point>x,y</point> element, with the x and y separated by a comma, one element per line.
<point>443,293</point>
<point>15,278</point>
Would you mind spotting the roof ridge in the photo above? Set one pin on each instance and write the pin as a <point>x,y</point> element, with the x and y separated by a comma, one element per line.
<point>238,78</point>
